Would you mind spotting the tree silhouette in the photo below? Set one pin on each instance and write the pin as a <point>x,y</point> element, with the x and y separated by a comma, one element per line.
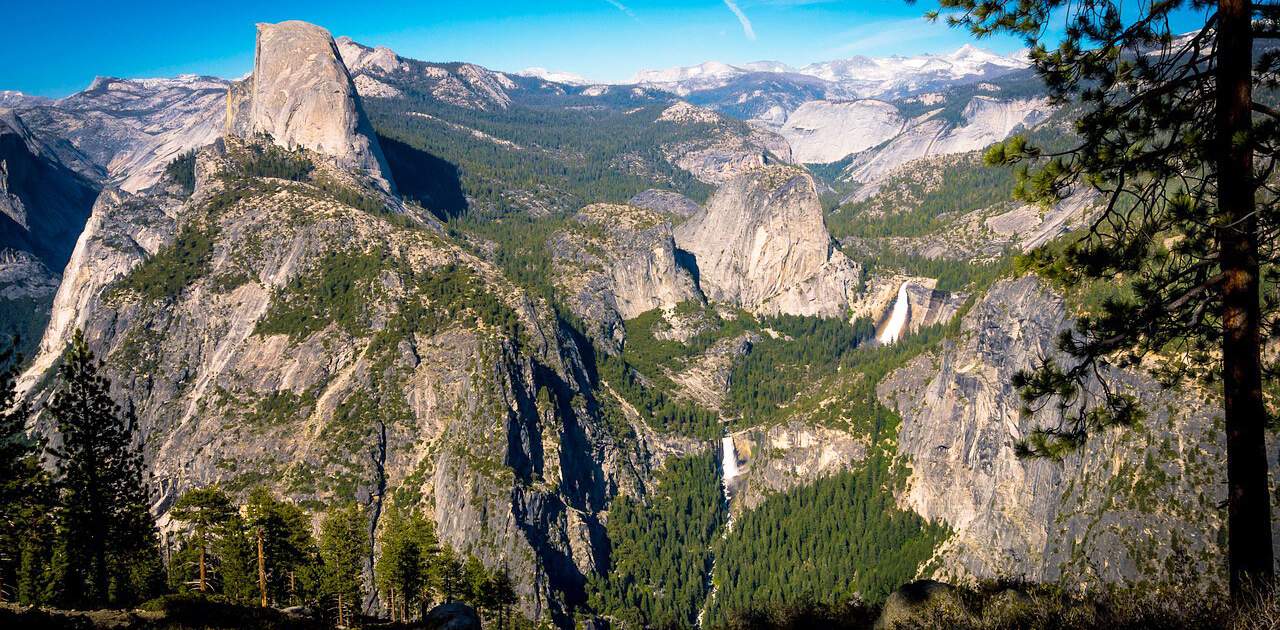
<point>25,498</point>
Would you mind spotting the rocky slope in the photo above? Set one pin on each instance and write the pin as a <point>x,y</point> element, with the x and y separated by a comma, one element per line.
<point>982,121</point>
<point>1132,505</point>
<point>827,131</point>
<point>381,73</point>
<point>306,335</point>
<point>726,152</point>
<point>617,261</point>
<point>43,208</point>
<point>125,131</point>
<point>761,244</point>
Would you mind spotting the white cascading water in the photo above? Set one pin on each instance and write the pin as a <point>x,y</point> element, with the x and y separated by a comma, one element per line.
<point>730,464</point>
<point>897,319</point>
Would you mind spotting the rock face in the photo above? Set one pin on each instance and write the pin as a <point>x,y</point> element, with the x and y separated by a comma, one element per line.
<point>983,120</point>
<point>123,230</point>
<point>1120,509</point>
<point>780,458</point>
<point>618,261</point>
<point>826,131</point>
<point>666,202</point>
<point>124,131</point>
<point>43,207</point>
<point>761,244</point>
<point>474,410</point>
<point>727,150</point>
<point>302,96</point>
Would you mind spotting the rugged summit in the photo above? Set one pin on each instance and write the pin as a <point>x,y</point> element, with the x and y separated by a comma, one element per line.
<point>302,96</point>
<point>761,243</point>
<point>617,261</point>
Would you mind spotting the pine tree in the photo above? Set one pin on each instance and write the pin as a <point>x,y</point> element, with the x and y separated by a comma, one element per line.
<point>206,510</point>
<point>403,569</point>
<point>344,545</point>
<point>236,553</point>
<point>287,543</point>
<point>448,577</point>
<point>1171,136</point>
<point>25,498</point>
<point>107,550</point>
<point>503,593</point>
<point>476,581</point>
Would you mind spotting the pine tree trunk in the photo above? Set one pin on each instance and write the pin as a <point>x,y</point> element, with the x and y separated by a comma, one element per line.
<point>202,566</point>
<point>262,570</point>
<point>340,624</point>
<point>1249,555</point>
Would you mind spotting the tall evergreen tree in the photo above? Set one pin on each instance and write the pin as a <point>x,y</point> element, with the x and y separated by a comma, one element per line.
<point>206,510</point>
<point>448,577</point>
<point>344,544</point>
<point>24,492</point>
<point>287,544</point>
<point>409,549</point>
<point>1173,136</point>
<point>503,593</point>
<point>107,550</point>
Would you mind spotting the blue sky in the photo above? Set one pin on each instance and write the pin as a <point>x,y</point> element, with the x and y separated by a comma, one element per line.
<point>52,47</point>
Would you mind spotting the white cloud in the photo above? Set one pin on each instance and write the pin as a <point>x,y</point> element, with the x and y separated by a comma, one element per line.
<point>622,7</point>
<point>742,18</point>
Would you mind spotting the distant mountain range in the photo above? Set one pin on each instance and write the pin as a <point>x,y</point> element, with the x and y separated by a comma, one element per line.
<point>857,77</point>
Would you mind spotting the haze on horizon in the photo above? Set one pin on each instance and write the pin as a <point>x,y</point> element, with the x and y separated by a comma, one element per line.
<point>54,49</point>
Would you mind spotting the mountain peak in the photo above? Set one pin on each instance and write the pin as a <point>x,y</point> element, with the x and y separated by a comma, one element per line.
<point>554,76</point>
<point>302,95</point>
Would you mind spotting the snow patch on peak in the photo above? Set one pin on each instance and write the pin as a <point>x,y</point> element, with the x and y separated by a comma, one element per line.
<point>554,76</point>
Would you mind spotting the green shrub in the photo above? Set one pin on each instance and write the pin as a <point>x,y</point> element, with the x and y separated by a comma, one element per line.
<point>175,267</point>
<point>182,171</point>
<point>336,290</point>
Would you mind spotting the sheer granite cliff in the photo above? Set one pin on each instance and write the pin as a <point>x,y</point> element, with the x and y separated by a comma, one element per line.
<point>761,243</point>
<point>1133,504</point>
<point>302,96</point>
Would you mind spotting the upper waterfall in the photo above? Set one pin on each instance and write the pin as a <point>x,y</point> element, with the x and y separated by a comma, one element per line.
<point>897,319</point>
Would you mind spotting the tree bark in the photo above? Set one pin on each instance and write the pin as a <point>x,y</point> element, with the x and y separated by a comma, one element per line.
<point>202,566</point>
<point>262,570</point>
<point>1249,555</point>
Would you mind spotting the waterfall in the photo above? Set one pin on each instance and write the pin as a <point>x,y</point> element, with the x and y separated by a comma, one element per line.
<point>897,319</point>
<point>729,468</point>
<point>730,464</point>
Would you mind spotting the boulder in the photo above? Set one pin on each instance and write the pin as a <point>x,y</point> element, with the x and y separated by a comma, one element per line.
<point>452,616</point>
<point>919,604</point>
